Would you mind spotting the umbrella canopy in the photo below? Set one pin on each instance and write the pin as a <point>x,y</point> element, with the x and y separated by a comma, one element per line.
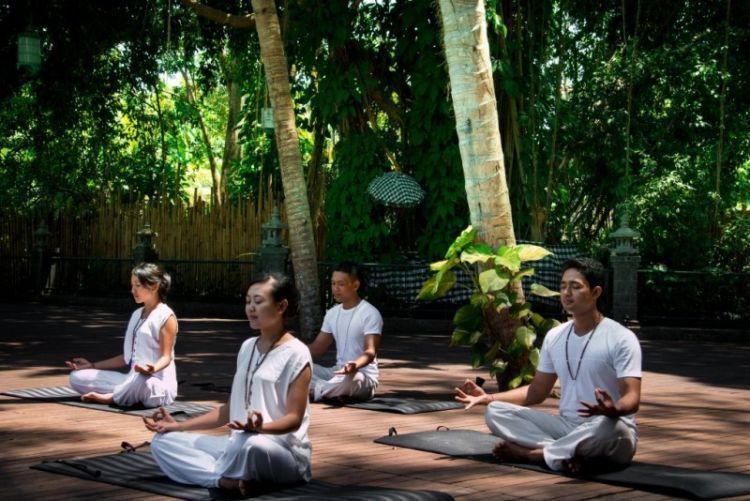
<point>396,189</point>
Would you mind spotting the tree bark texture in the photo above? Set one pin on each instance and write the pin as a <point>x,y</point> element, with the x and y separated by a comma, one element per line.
<point>241,21</point>
<point>193,100</point>
<point>231,144</point>
<point>301,237</point>
<point>475,108</point>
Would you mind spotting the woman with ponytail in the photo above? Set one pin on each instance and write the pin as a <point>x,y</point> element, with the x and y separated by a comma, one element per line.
<point>148,351</point>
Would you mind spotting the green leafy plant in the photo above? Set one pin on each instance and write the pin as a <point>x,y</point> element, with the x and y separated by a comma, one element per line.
<point>497,323</point>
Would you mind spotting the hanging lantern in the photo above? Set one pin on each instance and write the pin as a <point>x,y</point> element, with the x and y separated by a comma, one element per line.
<point>266,118</point>
<point>29,50</point>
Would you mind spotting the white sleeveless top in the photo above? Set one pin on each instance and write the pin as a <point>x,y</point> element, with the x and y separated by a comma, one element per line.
<point>141,345</point>
<point>270,376</point>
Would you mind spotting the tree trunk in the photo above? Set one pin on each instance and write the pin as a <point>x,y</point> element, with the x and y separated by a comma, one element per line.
<point>473,93</point>
<point>231,145</point>
<point>715,226</point>
<point>301,238</point>
<point>193,100</point>
<point>163,154</point>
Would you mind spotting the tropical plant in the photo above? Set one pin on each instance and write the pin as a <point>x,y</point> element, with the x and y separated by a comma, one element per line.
<point>501,329</point>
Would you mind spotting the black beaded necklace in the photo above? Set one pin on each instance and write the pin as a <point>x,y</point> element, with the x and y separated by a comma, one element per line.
<point>252,370</point>
<point>567,361</point>
<point>338,316</point>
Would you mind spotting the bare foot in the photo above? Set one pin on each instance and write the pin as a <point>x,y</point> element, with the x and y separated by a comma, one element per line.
<point>234,485</point>
<point>229,484</point>
<point>97,398</point>
<point>244,487</point>
<point>573,466</point>
<point>509,452</point>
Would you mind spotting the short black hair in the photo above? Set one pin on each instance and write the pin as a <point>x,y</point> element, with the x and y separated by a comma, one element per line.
<point>591,269</point>
<point>282,287</point>
<point>353,270</point>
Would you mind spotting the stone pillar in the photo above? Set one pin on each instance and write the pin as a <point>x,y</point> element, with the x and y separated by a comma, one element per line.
<point>625,261</point>
<point>39,258</point>
<point>273,252</point>
<point>145,251</point>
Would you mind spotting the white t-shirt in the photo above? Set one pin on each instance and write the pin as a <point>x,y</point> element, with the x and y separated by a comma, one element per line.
<point>349,328</point>
<point>141,344</point>
<point>613,352</point>
<point>271,375</point>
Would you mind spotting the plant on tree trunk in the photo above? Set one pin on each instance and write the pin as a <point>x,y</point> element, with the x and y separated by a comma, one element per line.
<point>500,329</point>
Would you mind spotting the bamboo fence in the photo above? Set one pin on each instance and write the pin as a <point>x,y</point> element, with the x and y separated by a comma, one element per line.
<point>109,229</point>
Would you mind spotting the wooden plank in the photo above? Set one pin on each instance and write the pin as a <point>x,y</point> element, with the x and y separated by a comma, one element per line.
<point>702,426</point>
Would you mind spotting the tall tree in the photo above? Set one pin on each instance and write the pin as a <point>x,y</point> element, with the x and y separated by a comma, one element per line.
<point>301,237</point>
<point>473,93</point>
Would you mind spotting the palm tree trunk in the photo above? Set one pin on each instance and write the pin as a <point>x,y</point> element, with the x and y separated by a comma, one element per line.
<point>473,93</point>
<point>301,237</point>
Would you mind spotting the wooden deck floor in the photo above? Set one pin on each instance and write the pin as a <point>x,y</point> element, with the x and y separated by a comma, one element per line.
<point>694,412</point>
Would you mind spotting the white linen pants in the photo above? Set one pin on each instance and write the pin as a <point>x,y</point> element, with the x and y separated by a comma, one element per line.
<point>599,437</point>
<point>198,459</point>
<point>326,383</point>
<point>126,389</point>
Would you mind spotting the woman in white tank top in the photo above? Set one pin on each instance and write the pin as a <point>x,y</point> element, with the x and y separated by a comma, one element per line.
<point>267,411</point>
<point>148,351</point>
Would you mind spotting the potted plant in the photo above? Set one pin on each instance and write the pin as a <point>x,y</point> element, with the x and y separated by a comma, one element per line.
<point>497,322</point>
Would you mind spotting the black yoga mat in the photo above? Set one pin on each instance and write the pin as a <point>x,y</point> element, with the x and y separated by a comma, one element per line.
<point>399,405</point>
<point>138,470</point>
<point>385,404</point>
<point>68,396</point>
<point>650,477</point>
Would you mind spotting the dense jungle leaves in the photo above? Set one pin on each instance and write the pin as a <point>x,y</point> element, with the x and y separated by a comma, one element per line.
<point>604,108</point>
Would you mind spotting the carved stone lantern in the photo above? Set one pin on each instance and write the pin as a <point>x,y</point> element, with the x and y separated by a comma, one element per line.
<point>625,261</point>
<point>144,251</point>
<point>273,252</point>
<point>624,238</point>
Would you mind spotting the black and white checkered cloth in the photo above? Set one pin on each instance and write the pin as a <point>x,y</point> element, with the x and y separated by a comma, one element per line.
<point>403,282</point>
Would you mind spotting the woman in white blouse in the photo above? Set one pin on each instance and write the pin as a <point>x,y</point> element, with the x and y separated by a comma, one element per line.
<point>148,351</point>
<point>267,410</point>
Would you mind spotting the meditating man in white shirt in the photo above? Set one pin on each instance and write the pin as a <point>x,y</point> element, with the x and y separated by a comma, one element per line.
<point>598,362</point>
<point>355,326</point>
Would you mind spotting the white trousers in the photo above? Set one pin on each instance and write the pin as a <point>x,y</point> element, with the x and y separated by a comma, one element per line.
<point>126,389</point>
<point>599,437</point>
<point>197,459</point>
<point>326,383</point>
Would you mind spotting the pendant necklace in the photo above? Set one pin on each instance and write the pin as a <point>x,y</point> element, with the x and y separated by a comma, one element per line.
<point>138,325</point>
<point>252,370</point>
<point>338,316</point>
<point>567,360</point>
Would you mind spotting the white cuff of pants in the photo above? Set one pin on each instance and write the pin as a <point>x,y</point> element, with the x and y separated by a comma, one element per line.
<point>559,439</point>
<point>327,384</point>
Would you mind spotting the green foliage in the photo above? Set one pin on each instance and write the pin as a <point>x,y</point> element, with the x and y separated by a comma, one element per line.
<point>673,221</point>
<point>601,109</point>
<point>732,249</point>
<point>502,332</point>
<point>378,73</point>
<point>355,229</point>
